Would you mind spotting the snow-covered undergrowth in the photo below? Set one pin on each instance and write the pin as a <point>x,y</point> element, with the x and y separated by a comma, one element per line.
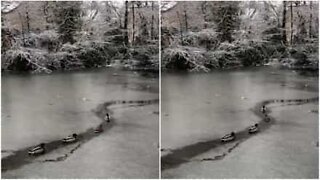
<point>201,51</point>
<point>44,52</point>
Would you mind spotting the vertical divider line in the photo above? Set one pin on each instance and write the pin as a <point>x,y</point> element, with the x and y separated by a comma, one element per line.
<point>159,41</point>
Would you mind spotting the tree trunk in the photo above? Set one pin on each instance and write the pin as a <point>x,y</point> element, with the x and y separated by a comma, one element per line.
<point>185,18</point>
<point>291,21</point>
<point>133,22</point>
<point>45,11</point>
<point>27,17</point>
<point>126,39</point>
<point>284,32</point>
<point>152,21</point>
<point>180,23</point>
<point>204,13</point>
<point>22,29</point>
<point>310,21</point>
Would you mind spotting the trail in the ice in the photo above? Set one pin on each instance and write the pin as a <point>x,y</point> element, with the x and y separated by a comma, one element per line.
<point>176,157</point>
<point>62,157</point>
<point>21,157</point>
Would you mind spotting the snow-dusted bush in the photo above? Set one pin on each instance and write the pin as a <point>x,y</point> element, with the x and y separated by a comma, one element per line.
<point>222,59</point>
<point>185,58</point>
<point>14,56</point>
<point>303,55</point>
<point>205,38</point>
<point>249,55</point>
<point>225,46</point>
<point>142,57</point>
<point>190,39</point>
<point>48,35</point>
<point>48,39</point>
<point>67,47</point>
<point>92,57</point>
<point>239,53</point>
<point>25,59</point>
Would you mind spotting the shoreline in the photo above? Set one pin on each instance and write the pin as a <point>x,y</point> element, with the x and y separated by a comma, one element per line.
<point>184,154</point>
<point>123,68</point>
<point>21,157</point>
<point>282,68</point>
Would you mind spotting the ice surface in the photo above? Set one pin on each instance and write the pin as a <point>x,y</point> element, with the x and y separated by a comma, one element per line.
<point>200,107</point>
<point>43,108</point>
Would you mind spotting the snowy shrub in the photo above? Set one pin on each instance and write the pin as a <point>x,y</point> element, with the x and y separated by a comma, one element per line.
<point>30,40</point>
<point>205,38</point>
<point>273,34</point>
<point>67,47</point>
<point>25,59</point>
<point>143,56</point>
<point>249,55</point>
<point>221,59</point>
<point>15,59</point>
<point>208,37</point>
<point>308,48</point>
<point>212,59</point>
<point>190,39</point>
<point>184,58</point>
<point>91,58</point>
<point>63,61</point>
<point>227,46</point>
<point>90,54</point>
<point>48,36</point>
<point>49,39</point>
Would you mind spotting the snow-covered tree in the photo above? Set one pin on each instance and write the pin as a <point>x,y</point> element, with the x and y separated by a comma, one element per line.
<point>68,19</point>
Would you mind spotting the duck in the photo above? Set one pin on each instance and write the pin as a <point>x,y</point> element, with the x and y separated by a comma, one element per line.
<point>39,149</point>
<point>267,118</point>
<point>253,129</point>
<point>107,117</point>
<point>70,139</point>
<point>99,129</point>
<point>228,137</point>
<point>263,109</point>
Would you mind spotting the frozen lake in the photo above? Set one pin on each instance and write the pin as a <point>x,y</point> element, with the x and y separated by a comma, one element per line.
<point>43,108</point>
<point>199,107</point>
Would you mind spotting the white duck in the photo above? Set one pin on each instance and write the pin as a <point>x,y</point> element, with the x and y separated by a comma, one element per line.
<point>228,137</point>
<point>37,149</point>
<point>70,139</point>
<point>253,129</point>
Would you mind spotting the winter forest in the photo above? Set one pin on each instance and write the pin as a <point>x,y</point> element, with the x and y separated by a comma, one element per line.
<point>209,35</point>
<point>48,35</point>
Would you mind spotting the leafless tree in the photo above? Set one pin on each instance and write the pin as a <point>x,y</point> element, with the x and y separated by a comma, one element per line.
<point>126,38</point>
<point>152,20</point>
<point>284,15</point>
<point>133,21</point>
